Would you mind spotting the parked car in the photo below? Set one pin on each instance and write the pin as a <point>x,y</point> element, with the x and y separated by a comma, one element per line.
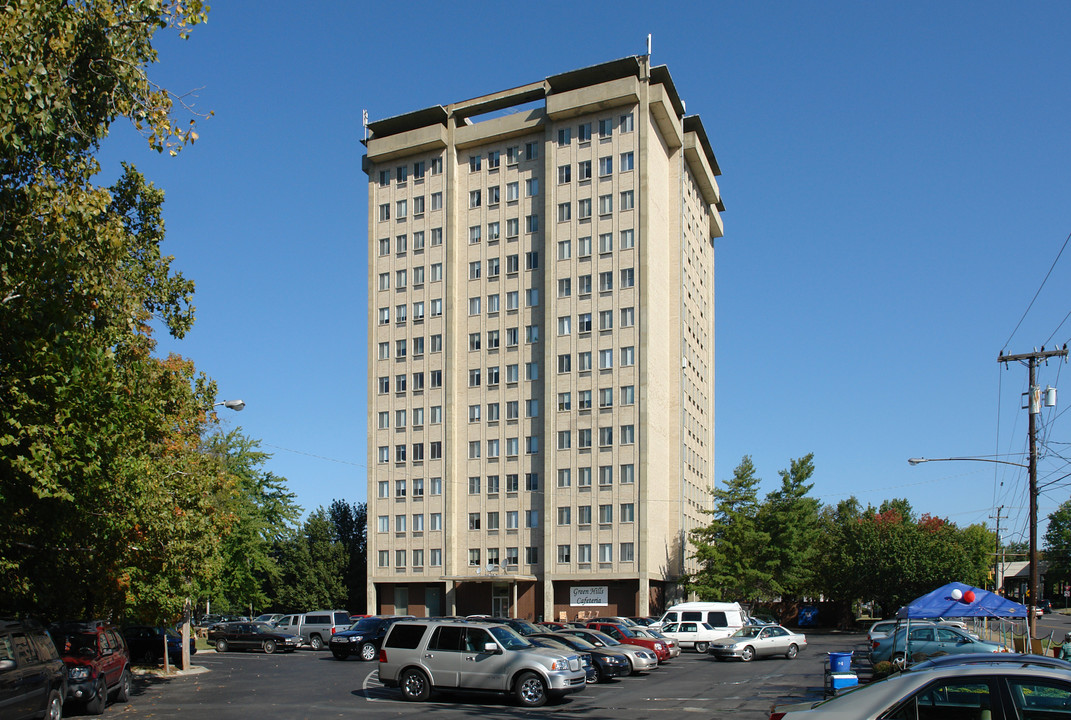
<point>252,636</point>
<point>927,641</point>
<point>207,621</point>
<point>364,637</point>
<point>1045,606</point>
<point>1004,688</point>
<point>98,663</point>
<point>146,643</point>
<point>419,656</point>
<point>724,617</point>
<point>672,645</point>
<point>640,659</point>
<point>614,619</point>
<point>586,662</point>
<point>33,678</point>
<point>756,641</point>
<point>645,621</point>
<point>269,618</point>
<point>315,628</point>
<point>607,663</point>
<point>884,628</point>
<point>692,635</point>
<point>624,634</point>
<point>521,627</point>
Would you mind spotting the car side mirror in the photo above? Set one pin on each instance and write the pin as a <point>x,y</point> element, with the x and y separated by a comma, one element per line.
<point>490,648</point>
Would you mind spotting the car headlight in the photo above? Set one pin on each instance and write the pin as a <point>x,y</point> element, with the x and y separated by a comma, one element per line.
<point>559,665</point>
<point>78,673</point>
<point>659,646</point>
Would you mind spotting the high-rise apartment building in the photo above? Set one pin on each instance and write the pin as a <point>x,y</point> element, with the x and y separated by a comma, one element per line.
<point>541,347</point>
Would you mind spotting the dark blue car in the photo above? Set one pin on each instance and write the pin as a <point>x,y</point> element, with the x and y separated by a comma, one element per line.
<point>147,645</point>
<point>363,637</point>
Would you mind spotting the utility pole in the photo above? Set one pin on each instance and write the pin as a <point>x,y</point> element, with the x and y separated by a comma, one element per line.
<point>1031,361</point>
<point>998,557</point>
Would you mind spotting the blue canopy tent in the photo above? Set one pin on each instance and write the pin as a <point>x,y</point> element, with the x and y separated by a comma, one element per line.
<point>941,604</point>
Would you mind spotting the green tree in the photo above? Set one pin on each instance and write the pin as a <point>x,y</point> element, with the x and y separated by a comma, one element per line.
<point>790,518</point>
<point>730,550</point>
<point>1057,544</point>
<point>350,524</point>
<point>102,491</point>
<point>264,513</point>
<point>312,566</point>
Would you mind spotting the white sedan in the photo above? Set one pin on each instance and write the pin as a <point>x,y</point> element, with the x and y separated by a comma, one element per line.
<point>695,635</point>
<point>752,641</point>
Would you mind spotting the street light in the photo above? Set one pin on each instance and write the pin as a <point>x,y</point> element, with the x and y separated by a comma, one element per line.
<point>1033,583</point>
<point>237,406</point>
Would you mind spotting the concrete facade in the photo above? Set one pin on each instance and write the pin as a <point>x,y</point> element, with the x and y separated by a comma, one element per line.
<point>541,347</point>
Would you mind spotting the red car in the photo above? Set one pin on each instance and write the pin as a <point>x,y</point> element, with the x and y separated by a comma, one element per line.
<point>622,633</point>
<point>98,663</point>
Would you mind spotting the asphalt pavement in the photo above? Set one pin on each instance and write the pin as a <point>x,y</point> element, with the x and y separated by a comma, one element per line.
<point>309,684</point>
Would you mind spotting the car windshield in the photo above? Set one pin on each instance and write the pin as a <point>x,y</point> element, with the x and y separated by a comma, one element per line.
<point>509,639</point>
<point>577,643</point>
<point>365,625</point>
<point>523,626</point>
<point>263,628</point>
<point>604,638</point>
<point>747,632</point>
<point>626,631</point>
<point>78,644</point>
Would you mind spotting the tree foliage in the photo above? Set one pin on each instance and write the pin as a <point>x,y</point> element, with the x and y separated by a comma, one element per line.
<point>350,522</point>
<point>106,505</point>
<point>790,518</point>
<point>1057,544</point>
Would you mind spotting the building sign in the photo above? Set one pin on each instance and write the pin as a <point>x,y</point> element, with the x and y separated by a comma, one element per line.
<point>587,596</point>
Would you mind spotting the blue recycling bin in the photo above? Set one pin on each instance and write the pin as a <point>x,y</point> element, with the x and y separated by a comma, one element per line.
<point>840,662</point>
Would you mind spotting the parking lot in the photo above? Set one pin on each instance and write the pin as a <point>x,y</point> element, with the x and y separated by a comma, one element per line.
<point>309,684</point>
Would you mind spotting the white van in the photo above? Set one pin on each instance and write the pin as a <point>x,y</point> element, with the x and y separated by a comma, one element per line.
<point>725,618</point>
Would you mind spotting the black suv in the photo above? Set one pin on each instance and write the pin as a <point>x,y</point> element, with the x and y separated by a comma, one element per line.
<point>33,681</point>
<point>97,660</point>
<point>363,637</point>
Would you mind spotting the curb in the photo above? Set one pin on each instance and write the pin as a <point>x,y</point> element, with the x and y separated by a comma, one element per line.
<point>160,673</point>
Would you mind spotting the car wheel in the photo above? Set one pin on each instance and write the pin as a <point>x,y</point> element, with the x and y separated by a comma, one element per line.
<point>339,654</point>
<point>269,647</point>
<point>701,647</point>
<point>415,685</point>
<point>123,693</point>
<point>600,676</point>
<point>95,705</point>
<point>369,652</point>
<point>792,652</point>
<point>747,654</point>
<point>316,642</point>
<point>54,709</point>
<point>898,661</point>
<point>530,690</point>
<point>632,667</point>
<point>221,646</point>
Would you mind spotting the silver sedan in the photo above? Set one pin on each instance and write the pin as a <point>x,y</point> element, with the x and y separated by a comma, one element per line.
<point>752,641</point>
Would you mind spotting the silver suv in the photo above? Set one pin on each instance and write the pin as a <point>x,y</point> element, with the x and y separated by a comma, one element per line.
<point>421,655</point>
<point>315,628</point>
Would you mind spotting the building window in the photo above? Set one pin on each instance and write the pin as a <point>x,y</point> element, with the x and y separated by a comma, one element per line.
<point>627,162</point>
<point>513,227</point>
<point>627,552</point>
<point>606,397</point>
<point>606,436</point>
<point>418,558</point>
<point>435,521</point>
<point>565,363</point>
<point>531,151</point>
<point>565,136</point>
<point>606,128</point>
<point>436,238</point>
<point>399,485</point>
<point>583,208</point>
<point>383,524</point>
<point>436,166</point>
<point>402,208</point>
<point>628,317</point>
<point>492,489</point>
<point>418,205</point>
<point>606,243</point>
<point>606,204</point>
<point>627,474</point>
<point>583,246</point>
<point>626,123</point>
<point>474,521</point>
<point>628,356</point>
<point>492,521</point>
<point>628,434</point>
<point>493,195</point>
<point>531,223</point>
<point>628,278</point>
<point>435,557</point>
<point>474,557</point>
<point>474,305</point>
<point>418,170</point>
<point>627,512</point>
<point>563,553</point>
<point>531,555</point>
<point>531,445</point>
<point>606,552</point>
<point>436,488</point>
<point>384,558</point>
<point>531,518</point>
<point>513,154</point>
<point>475,267</point>
<point>474,163</point>
<point>384,212</point>
<point>583,438</point>
<point>606,514</point>
<point>493,232</point>
<point>474,234</point>
<point>531,297</point>
<point>583,133</point>
<point>565,439</point>
<point>627,200</point>
<point>583,515</point>
<point>512,519</point>
<point>564,477</point>
<point>399,523</point>
<point>474,198</point>
<point>565,174</point>
<point>437,201</point>
<point>583,479</point>
<point>564,401</point>
<point>531,335</point>
<point>384,178</point>
<point>583,172</point>
<point>606,166</point>
<point>531,187</point>
<point>583,321</point>
<point>493,159</point>
<point>565,212</point>
<point>583,364</point>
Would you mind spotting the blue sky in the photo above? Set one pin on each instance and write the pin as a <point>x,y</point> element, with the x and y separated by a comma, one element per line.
<point>896,183</point>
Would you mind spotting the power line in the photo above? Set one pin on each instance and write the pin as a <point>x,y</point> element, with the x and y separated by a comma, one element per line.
<point>1027,311</point>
